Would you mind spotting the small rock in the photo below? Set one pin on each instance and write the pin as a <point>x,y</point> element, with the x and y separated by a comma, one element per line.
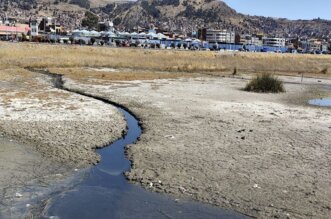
<point>169,136</point>
<point>75,170</point>
<point>27,205</point>
<point>18,195</point>
<point>182,189</point>
<point>256,186</point>
<point>150,184</point>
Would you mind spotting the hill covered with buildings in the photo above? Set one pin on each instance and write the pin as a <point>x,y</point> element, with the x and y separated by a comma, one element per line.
<point>188,15</point>
<point>180,16</point>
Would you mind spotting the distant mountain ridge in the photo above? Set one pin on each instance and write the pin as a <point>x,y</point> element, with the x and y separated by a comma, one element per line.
<point>188,15</point>
<point>182,16</point>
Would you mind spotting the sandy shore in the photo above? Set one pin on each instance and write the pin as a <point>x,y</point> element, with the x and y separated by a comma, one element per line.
<point>265,155</point>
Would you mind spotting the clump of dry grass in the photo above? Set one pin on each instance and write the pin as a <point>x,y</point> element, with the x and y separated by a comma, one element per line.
<point>85,74</point>
<point>265,83</point>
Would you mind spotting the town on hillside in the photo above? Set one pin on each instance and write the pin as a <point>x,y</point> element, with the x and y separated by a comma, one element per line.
<point>49,30</point>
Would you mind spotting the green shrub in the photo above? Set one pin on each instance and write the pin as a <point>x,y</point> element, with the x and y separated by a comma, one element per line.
<point>92,41</point>
<point>90,20</point>
<point>265,83</point>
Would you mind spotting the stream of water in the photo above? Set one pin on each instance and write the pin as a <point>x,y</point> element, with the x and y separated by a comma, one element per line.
<point>106,193</point>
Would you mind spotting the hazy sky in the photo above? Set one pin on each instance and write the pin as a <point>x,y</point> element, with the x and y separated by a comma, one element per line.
<point>291,9</point>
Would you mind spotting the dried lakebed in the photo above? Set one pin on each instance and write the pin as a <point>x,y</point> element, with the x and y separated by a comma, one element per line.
<point>206,139</point>
<point>265,155</point>
<point>106,193</point>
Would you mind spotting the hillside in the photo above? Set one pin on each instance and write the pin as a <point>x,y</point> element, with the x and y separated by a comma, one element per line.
<point>181,16</point>
<point>188,15</point>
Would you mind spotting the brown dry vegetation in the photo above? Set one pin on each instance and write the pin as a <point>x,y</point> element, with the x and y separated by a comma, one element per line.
<point>50,56</point>
<point>78,62</point>
<point>86,74</point>
<point>18,83</point>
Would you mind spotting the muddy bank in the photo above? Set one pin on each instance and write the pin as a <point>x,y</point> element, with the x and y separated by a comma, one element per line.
<point>26,178</point>
<point>49,134</point>
<point>205,139</point>
<point>63,126</point>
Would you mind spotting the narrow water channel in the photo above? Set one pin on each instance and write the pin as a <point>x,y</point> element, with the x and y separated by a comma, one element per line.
<point>106,193</point>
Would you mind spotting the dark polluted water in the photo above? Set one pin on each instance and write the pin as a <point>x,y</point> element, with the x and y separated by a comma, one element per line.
<point>106,193</point>
<point>321,102</point>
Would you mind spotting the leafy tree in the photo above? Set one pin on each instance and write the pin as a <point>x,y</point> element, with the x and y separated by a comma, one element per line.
<point>117,21</point>
<point>92,41</point>
<point>90,21</point>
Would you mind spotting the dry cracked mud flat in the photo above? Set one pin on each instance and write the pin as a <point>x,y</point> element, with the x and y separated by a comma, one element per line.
<point>265,155</point>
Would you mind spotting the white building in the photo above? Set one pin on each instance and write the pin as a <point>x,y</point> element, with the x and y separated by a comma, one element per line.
<point>274,41</point>
<point>220,36</point>
<point>34,28</point>
<point>248,39</point>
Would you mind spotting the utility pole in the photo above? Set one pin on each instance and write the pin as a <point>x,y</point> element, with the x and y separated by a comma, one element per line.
<point>55,29</point>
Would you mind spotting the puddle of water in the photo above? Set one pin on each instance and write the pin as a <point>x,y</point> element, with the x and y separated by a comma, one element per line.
<point>107,194</point>
<point>321,102</point>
